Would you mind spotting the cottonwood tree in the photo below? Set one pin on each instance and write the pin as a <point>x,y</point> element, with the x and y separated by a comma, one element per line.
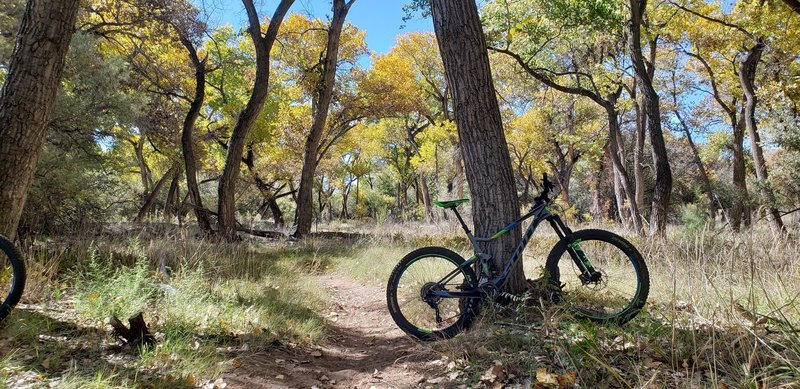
<point>321,102</point>
<point>744,26</point>
<point>263,42</point>
<point>27,99</point>
<point>486,157</point>
<point>578,49</point>
<point>651,104</point>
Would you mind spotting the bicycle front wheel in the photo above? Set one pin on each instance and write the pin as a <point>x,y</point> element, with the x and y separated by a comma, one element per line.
<point>415,288</point>
<point>615,293</point>
<point>12,277</point>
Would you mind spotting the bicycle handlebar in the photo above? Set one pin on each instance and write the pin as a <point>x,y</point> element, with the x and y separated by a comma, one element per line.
<point>546,187</point>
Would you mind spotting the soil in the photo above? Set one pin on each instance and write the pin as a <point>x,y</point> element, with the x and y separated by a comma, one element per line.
<point>363,349</point>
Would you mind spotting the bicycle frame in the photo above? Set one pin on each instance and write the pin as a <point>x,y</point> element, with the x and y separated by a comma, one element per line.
<point>539,213</point>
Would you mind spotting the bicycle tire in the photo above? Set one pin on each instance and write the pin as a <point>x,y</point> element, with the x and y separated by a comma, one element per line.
<point>412,313</point>
<point>10,260</point>
<point>611,254</point>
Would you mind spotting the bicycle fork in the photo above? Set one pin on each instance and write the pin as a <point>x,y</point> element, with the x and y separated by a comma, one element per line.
<point>588,273</point>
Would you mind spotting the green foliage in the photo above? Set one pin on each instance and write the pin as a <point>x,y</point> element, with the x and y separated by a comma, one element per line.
<point>693,218</point>
<point>106,290</point>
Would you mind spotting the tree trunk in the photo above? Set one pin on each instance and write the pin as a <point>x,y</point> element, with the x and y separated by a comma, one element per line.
<point>739,208</point>
<point>145,173</point>
<point>747,74</point>
<point>27,99</point>
<point>794,5</point>
<point>305,207</point>
<point>151,198</point>
<point>171,204</point>
<point>638,149</point>
<point>187,135</point>
<point>663,179</point>
<point>486,155</point>
<point>625,193</point>
<point>277,214</point>
<point>597,206</point>
<point>230,174</point>
<point>426,197</point>
<point>705,182</point>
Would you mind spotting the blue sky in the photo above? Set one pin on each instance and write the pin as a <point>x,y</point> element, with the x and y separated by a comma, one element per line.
<point>381,19</point>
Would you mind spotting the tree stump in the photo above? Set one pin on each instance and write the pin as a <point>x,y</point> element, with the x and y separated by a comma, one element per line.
<point>136,334</point>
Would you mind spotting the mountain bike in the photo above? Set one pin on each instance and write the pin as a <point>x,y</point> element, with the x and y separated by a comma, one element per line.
<point>435,293</point>
<point>12,276</point>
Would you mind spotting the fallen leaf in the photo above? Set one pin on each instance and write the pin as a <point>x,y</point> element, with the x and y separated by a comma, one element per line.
<point>567,379</point>
<point>493,373</point>
<point>543,377</point>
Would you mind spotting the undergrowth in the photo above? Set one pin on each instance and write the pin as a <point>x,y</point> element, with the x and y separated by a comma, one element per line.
<point>722,312</point>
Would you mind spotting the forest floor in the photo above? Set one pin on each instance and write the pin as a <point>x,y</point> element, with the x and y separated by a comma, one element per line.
<point>722,312</point>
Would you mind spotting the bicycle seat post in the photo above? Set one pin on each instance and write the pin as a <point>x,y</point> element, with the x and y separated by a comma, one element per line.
<point>460,220</point>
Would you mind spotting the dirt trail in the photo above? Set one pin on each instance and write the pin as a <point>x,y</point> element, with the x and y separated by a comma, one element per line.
<point>364,349</point>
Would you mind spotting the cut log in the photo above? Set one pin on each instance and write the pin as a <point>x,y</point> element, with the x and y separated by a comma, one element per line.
<point>136,334</point>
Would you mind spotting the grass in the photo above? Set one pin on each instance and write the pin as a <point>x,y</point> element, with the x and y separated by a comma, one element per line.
<point>722,312</point>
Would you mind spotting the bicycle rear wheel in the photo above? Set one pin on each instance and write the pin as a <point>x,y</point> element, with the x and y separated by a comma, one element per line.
<point>12,277</point>
<point>620,289</point>
<point>411,294</point>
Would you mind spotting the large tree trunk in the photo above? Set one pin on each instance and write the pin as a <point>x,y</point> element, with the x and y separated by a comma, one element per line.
<point>663,179</point>
<point>305,207</point>
<point>739,209</point>
<point>187,134</point>
<point>486,156</point>
<point>27,99</point>
<point>230,174</point>
<point>747,74</point>
<point>638,149</point>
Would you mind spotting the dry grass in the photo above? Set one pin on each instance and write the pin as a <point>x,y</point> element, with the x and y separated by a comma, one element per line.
<point>722,312</point>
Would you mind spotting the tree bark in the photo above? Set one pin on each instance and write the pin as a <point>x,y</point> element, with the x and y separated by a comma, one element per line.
<point>151,197</point>
<point>187,137</point>
<point>794,5</point>
<point>625,193</point>
<point>486,156</point>
<point>27,99</point>
<point>226,191</point>
<point>663,179</point>
<point>739,208</point>
<point>171,204</point>
<point>305,207</point>
<point>638,150</point>
<point>747,74</point>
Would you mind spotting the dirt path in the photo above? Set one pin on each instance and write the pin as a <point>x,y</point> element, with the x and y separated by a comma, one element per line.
<point>364,349</point>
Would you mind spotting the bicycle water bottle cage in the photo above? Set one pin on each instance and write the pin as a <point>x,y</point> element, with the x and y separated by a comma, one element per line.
<point>450,203</point>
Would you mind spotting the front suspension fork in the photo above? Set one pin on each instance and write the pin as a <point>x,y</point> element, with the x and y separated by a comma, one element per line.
<point>588,273</point>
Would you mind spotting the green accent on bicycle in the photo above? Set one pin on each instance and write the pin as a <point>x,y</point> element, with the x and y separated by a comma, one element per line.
<point>450,203</point>
<point>575,246</point>
<point>498,234</point>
